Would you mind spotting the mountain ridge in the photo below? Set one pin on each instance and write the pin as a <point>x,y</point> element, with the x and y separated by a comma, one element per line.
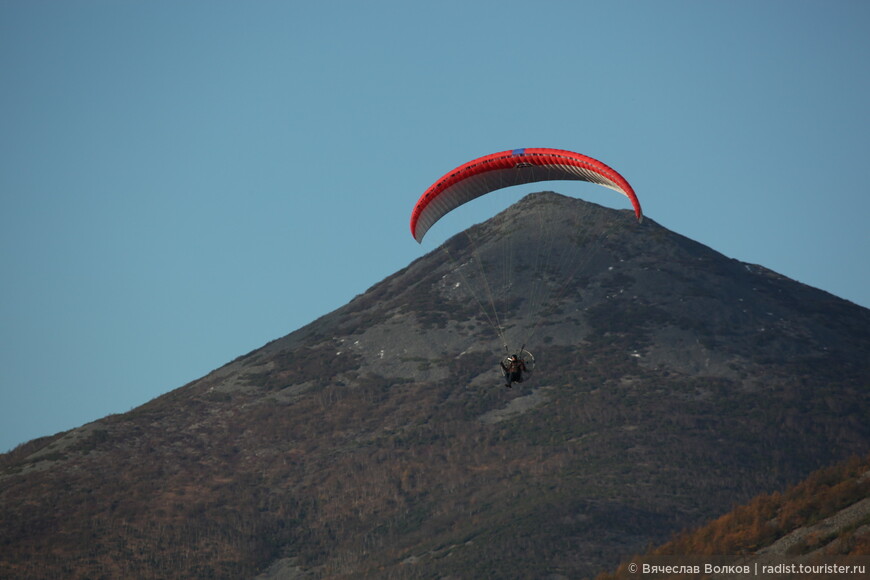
<point>376,441</point>
<point>824,519</point>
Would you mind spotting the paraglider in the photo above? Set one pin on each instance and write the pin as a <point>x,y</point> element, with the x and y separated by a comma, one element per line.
<point>497,171</point>
<point>513,368</point>
<point>508,168</point>
<point>517,366</point>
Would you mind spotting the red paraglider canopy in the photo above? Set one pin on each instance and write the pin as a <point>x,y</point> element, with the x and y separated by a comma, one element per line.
<point>515,167</point>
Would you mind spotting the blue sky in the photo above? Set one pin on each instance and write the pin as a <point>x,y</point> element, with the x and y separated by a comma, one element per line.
<point>184,181</point>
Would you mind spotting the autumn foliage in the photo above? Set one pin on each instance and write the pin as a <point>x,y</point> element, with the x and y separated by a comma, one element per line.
<point>750,528</point>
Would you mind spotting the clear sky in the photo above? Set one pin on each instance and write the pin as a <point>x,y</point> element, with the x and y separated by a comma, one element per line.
<point>184,181</point>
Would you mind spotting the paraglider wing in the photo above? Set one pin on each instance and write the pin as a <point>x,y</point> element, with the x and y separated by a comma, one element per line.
<point>516,167</point>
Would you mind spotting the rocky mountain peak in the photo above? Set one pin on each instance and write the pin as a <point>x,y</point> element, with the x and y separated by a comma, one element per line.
<point>671,383</point>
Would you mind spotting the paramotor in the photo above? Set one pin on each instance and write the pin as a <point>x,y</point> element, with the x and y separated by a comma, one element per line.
<point>547,270</point>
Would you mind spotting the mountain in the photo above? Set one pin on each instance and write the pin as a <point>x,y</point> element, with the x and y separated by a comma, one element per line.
<point>821,521</point>
<point>670,384</point>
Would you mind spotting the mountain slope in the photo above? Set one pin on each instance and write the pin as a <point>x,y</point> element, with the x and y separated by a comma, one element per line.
<point>821,519</point>
<point>672,382</point>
